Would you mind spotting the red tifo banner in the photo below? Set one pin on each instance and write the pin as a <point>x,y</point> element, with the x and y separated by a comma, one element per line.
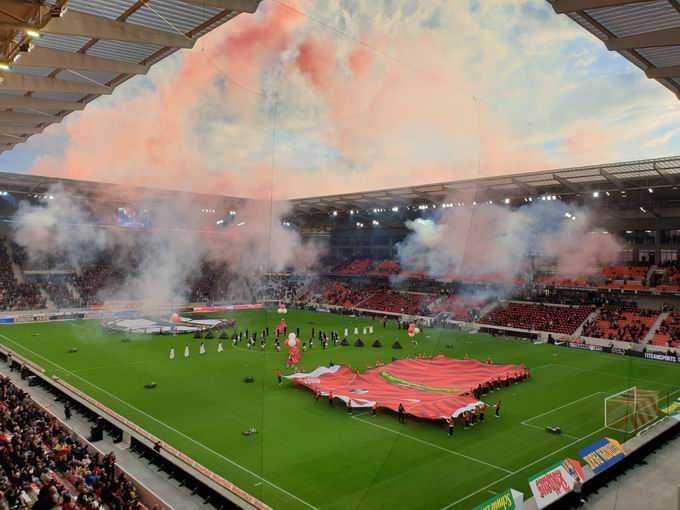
<point>427,388</point>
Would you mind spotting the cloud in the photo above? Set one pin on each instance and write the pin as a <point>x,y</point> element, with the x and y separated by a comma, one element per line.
<point>430,94</point>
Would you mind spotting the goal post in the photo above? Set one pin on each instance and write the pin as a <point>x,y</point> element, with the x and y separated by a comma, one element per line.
<point>631,409</point>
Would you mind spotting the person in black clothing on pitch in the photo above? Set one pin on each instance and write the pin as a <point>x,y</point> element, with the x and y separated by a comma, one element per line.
<point>400,413</point>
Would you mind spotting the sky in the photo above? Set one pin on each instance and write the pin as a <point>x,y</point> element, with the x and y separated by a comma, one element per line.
<point>315,97</point>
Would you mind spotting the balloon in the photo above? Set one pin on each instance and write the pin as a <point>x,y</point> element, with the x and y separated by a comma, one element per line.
<point>291,336</point>
<point>411,333</point>
<point>175,318</point>
<point>416,331</point>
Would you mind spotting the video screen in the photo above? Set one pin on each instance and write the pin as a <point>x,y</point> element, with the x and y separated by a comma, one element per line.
<point>133,218</point>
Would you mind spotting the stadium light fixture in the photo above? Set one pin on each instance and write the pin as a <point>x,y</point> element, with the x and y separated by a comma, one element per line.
<point>650,190</point>
<point>474,202</point>
<point>507,201</point>
<point>241,224</point>
<point>567,214</point>
<point>359,224</point>
<point>219,222</point>
<point>554,197</point>
<point>32,32</point>
<point>51,197</point>
<point>58,12</point>
<point>335,213</point>
<point>4,66</point>
<point>596,194</point>
<point>642,209</point>
<point>376,222</point>
<point>606,193</point>
<point>351,212</point>
<point>490,202</point>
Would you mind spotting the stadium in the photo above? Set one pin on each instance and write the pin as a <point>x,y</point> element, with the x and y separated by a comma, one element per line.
<point>327,255</point>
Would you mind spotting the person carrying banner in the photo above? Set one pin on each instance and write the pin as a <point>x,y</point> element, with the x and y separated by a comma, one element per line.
<point>349,406</point>
<point>278,376</point>
<point>400,413</point>
<point>375,408</point>
<point>498,409</point>
<point>449,423</point>
<point>330,399</point>
<point>482,410</point>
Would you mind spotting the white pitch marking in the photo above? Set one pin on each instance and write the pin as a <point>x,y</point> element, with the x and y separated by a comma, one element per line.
<point>432,445</point>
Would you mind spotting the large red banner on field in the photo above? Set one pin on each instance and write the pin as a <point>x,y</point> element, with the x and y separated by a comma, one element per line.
<point>427,388</point>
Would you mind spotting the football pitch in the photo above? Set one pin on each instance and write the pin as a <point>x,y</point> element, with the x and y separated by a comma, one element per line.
<point>309,455</point>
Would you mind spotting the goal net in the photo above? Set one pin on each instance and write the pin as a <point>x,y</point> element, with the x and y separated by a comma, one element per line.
<point>631,409</point>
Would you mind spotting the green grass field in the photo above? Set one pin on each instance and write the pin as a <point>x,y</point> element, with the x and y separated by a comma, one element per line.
<point>308,455</point>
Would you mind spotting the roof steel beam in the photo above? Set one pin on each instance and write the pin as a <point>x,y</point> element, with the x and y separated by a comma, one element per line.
<point>26,82</point>
<point>18,119</point>
<point>653,39</point>
<point>11,139</point>
<point>663,72</point>
<point>566,183</point>
<point>34,103</point>
<point>232,5</point>
<point>20,130</point>
<point>670,178</point>
<point>524,186</point>
<point>567,6</point>
<point>611,178</point>
<point>48,57</point>
<point>88,25</point>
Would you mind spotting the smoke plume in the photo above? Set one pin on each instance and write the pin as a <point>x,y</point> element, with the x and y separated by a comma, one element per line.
<point>493,240</point>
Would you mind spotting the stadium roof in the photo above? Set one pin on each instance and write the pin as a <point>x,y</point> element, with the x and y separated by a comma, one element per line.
<point>82,49</point>
<point>626,185</point>
<point>646,32</point>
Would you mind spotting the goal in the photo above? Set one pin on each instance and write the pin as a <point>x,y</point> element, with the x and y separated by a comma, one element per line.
<point>631,409</point>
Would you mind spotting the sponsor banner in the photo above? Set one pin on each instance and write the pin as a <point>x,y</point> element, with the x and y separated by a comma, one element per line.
<point>32,318</point>
<point>508,500</point>
<point>575,469</point>
<point>7,320</point>
<point>659,356</point>
<point>551,484</point>
<point>602,454</point>
<point>588,347</point>
<point>222,308</point>
<point>672,410</point>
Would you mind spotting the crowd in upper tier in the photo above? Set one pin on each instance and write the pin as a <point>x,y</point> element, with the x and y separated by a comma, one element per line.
<point>379,285</point>
<point>42,467</point>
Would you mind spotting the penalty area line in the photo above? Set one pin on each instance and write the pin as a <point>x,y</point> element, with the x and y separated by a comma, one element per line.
<point>197,443</point>
<point>432,444</point>
<point>525,422</point>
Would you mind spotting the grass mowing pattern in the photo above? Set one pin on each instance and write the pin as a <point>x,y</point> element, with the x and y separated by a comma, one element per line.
<point>308,455</point>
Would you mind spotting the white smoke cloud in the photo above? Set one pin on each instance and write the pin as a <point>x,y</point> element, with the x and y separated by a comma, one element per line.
<point>154,265</point>
<point>494,240</point>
